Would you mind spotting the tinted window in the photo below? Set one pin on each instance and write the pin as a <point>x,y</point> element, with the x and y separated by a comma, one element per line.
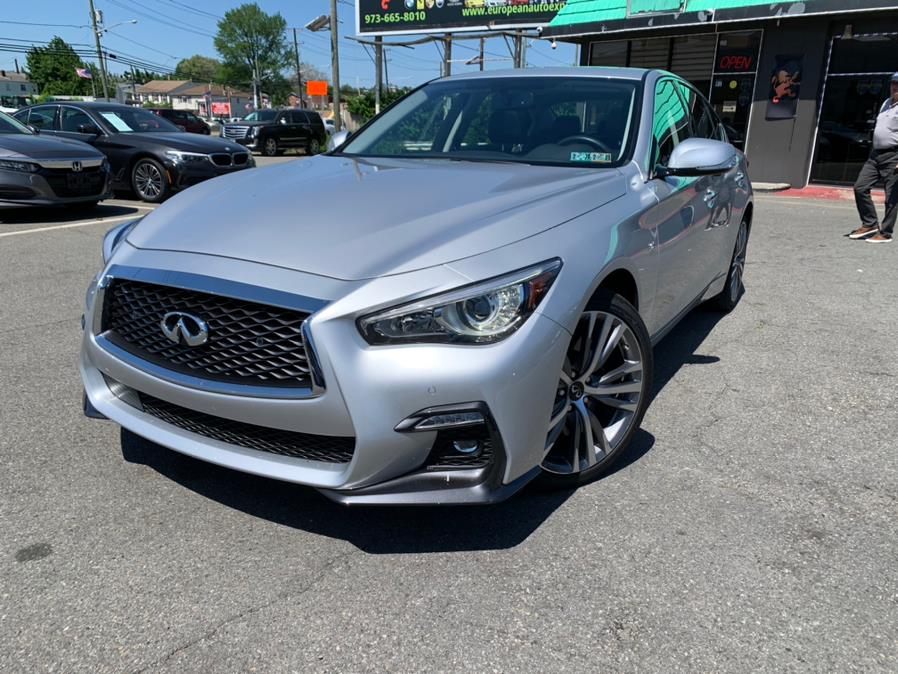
<point>703,121</point>
<point>10,125</point>
<point>134,120</point>
<point>71,118</point>
<point>42,116</point>
<point>300,117</point>
<point>560,121</point>
<point>670,124</point>
<point>262,116</point>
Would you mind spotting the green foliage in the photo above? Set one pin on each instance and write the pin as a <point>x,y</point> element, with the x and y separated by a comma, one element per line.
<point>199,69</point>
<point>144,76</point>
<point>161,106</point>
<point>248,39</point>
<point>362,105</point>
<point>52,69</point>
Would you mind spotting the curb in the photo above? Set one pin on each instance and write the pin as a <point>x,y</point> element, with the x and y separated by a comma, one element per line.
<point>820,192</point>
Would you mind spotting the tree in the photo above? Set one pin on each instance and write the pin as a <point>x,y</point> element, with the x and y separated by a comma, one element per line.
<point>362,105</point>
<point>199,69</point>
<point>52,69</point>
<point>253,48</point>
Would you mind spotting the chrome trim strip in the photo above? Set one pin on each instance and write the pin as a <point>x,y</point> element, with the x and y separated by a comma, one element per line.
<point>67,163</point>
<point>216,286</point>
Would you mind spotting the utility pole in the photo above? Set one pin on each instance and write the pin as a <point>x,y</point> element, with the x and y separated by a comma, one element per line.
<point>482,40</point>
<point>335,67</point>
<point>298,69</point>
<point>93,18</point>
<point>518,47</point>
<point>386,71</point>
<point>447,55</point>
<point>378,72</point>
<point>133,85</point>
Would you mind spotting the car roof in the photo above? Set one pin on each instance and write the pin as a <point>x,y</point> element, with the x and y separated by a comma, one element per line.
<point>633,74</point>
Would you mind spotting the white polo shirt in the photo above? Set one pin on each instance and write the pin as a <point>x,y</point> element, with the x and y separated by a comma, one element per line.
<point>885,135</point>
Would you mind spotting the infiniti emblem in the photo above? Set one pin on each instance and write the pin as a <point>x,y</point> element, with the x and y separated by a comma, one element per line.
<point>76,166</point>
<point>184,328</point>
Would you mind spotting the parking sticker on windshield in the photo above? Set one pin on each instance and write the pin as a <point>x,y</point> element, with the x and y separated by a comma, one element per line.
<point>592,157</point>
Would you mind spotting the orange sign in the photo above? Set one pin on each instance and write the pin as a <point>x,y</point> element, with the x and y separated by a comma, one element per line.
<point>316,88</point>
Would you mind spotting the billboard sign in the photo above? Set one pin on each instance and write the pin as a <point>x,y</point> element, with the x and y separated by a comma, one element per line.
<point>390,17</point>
<point>316,88</point>
<point>221,109</point>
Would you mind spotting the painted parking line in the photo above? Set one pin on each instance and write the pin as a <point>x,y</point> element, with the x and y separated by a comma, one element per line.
<point>71,225</point>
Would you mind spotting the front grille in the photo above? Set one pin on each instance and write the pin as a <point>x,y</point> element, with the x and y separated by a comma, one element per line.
<point>234,131</point>
<point>331,449</point>
<point>249,343</point>
<point>68,183</point>
<point>241,158</point>
<point>221,159</point>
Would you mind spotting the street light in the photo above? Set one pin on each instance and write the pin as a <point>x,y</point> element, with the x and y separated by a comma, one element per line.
<point>116,25</point>
<point>324,22</point>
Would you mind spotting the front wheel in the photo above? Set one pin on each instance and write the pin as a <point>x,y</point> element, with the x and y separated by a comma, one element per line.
<point>602,394</point>
<point>149,181</point>
<point>728,298</point>
<point>314,146</point>
<point>270,147</point>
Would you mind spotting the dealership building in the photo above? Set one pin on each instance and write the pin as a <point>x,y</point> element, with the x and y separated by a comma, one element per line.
<point>798,85</point>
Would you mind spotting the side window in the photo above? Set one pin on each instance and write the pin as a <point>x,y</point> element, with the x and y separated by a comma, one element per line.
<point>705,124</point>
<point>42,116</point>
<point>22,116</point>
<point>670,123</point>
<point>299,117</point>
<point>70,119</point>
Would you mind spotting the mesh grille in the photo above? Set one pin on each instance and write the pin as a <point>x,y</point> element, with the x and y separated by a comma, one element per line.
<point>235,131</point>
<point>330,449</point>
<point>443,455</point>
<point>249,343</point>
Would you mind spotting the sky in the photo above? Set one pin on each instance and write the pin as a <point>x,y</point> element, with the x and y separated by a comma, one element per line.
<point>169,30</point>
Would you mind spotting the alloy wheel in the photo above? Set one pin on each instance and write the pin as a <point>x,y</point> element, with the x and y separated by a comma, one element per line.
<point>737,267</point>
<point>314,146</point>
<point>271,147</point>
<point>598,397</point>
<point>149,181</point>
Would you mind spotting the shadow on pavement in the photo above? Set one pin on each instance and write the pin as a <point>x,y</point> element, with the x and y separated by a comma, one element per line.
<point>387,530</point>
<point>61,215</point>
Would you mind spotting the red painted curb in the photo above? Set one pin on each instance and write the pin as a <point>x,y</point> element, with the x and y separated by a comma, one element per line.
<point>826,193</point>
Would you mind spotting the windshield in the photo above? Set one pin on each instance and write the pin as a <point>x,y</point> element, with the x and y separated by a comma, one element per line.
<point>10,125</point>
<point>569,121</point>
<point>135,120</point>
<point>261,116</point>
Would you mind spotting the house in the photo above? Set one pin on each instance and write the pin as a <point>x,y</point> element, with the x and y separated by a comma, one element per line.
<point>206,100</point>
<point>15,89</point>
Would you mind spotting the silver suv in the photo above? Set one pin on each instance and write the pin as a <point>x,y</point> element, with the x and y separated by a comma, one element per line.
<point>458,299</point>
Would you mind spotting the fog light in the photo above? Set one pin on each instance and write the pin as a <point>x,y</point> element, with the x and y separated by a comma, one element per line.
<point>466,446</point>
<point>449,421</point>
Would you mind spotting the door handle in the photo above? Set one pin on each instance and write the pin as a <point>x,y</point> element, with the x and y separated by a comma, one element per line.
<point>710,197</point>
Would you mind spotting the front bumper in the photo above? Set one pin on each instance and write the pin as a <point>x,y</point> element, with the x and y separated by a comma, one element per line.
<point>184,175</point>
<point>37,189</point>
<point>368,392</point>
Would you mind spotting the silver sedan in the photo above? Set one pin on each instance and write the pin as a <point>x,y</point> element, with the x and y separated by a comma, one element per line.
<point>459,298</point>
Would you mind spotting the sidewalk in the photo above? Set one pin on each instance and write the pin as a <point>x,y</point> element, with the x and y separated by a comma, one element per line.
<point>825,192</point>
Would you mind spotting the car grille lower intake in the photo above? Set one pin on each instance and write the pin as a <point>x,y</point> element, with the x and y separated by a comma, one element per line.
<point>67,183</point>
<point>248,343</point>
<point>329,449</point>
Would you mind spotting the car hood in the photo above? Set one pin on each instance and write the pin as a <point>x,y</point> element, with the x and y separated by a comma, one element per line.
<point>179,140</point>
<point>44,147</point>
<point>354,219</point>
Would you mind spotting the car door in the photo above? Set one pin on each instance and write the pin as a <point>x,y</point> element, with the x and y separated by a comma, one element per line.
<point>76,124</point>
<point>303,127</point>
<point>283,129</point>
<point>680,215</point>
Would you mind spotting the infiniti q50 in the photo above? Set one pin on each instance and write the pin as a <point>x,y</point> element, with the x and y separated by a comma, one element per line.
<point>461,297</point>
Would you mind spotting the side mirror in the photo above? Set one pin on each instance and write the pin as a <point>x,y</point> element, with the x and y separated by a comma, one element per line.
<point>337,139</point>
<point>699,157</point>
<point>33,129</point>
<point>89,129</point>
<point>282,120</point>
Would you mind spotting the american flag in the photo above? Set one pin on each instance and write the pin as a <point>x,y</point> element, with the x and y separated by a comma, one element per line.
<point>84,73</point>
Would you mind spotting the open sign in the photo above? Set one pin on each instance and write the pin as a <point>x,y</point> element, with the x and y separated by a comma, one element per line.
<point>735,64</point>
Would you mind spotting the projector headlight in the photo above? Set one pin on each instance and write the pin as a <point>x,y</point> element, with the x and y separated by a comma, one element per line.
<point>483,313</point>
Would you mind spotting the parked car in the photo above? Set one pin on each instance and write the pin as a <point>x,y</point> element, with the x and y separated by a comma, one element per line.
<point>183,119</point>
<point>148,154</point>
<point>329,126</point>
<point>467,300</point>
<point>272,131</point>
<point>38,171</point>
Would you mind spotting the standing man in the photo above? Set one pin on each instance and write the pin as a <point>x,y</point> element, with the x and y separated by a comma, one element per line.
<point>882,165</point>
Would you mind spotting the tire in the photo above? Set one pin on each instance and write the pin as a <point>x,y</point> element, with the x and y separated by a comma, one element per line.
<point>614,407</point>
<point>149,181</point>
<point>270,147</point>
<point>313,147</point>
<point>732,291</point>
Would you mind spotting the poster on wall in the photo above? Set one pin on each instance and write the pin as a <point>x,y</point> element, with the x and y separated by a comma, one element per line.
<point>785,83</point>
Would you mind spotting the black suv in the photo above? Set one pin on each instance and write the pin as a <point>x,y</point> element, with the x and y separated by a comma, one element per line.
<point>271,131</point>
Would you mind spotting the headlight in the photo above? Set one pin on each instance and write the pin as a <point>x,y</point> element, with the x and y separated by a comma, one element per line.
<point>22,166</point>
<point>179,157</point>
<point>114,237</point>
<point>478,314</point>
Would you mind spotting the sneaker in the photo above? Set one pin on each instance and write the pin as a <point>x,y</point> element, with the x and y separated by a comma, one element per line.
<point>863,232</point>
<point>880,238</point>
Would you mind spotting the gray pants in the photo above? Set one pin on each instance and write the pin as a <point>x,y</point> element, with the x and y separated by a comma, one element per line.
<point>881,166</point>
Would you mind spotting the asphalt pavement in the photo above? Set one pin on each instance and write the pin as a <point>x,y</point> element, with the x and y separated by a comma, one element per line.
<point>752,526</point>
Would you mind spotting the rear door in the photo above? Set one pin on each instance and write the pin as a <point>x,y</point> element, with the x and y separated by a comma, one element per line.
<point>285,130</point>
<point>303,127</point>
<point>680,215</point>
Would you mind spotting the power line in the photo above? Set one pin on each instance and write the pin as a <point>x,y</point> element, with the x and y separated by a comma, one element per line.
<point>44,25</point>
<point>141,44</point>
<point>161,21</point>
<point>196,11</point>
